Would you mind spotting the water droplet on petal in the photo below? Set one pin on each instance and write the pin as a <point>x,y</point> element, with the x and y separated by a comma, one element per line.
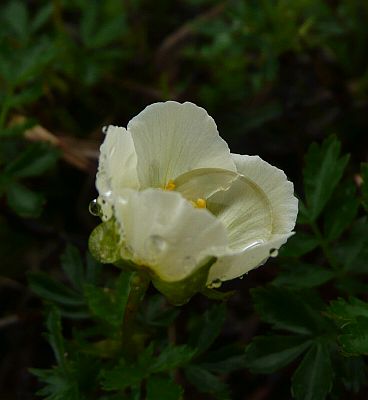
<point>215,284</point>
<point>274,252</point>
<point>105,129</point>
<point>241,277</point>
<point>155,245</point>
<point>94,208</point>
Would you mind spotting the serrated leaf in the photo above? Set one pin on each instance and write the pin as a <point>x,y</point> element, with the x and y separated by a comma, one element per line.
<point>323,170</point>
<point>210,327</point>
<point>352,253</point>
<point>267,354</point>
<point>41,17</point>
<point>93,269</point>
<point>58,385</point>
<point>344,310</point>
<point>109,304</point>
<point>341,211</point>
<point>354,340</point>
<point>16,15</point>
<point>72,265</point>
<point>52,290</point>
<point>271,303</point>
<point>23,201</point>
<point>157,312</point>
<point>314,376</point>
<point>163,389</point>
<point>206,382</point>
<point>125,375</point>
<point>298,245</point>
<point>352,318</point>
<point>34,161</point>
<point>303,276</point>
<point>55,336</point>
<point>172,357</point>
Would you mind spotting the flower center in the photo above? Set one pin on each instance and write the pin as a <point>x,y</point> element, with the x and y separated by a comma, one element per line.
<point>170,185</point>
<point>237,201</point>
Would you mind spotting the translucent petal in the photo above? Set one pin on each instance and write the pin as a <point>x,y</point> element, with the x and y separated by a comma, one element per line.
<point>236,201</point>
<point>117,167</point>
<point>162,231</point>
<point>239,263</point>
<point>274,183</point>
<point>172,138</point>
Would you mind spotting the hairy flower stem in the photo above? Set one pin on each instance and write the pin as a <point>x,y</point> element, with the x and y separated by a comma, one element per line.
<point>131,338</point>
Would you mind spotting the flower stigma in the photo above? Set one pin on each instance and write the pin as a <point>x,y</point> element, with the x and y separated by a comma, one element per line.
<point>200,203</point>
<point>171,185</point>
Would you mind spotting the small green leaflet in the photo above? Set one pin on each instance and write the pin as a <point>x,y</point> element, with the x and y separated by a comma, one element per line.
<point>323,170</point>
<point>314,377</point>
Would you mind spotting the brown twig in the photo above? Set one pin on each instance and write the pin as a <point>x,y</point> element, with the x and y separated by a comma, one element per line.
<point>178,37</point>
<point>79,153</point>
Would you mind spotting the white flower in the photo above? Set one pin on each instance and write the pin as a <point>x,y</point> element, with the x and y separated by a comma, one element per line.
<point>180,198</point>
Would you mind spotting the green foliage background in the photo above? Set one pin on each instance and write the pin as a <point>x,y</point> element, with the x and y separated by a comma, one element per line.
<point>277,76</point>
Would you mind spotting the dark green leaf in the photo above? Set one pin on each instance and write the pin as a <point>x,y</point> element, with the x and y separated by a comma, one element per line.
<point>23,201</point>
<point>352,318</point>
<point>303,276</point>
<point>206,382</point>
<point>352,253</point>
<point>163,389</point>
<point>72,265</point>
<point>287,310</point>
<point>125,375</point>
<point>323,170</point>
<point>210,327</point>
<point>34,161</point>
<point>58,384</point>
<point>298,245</point>
<point>172,357</point>
<point>55,336</point>
<point>267,354</point>
<point>41,17</point>
<point>51,290</point>
<point>313,378</point>
<point>93,269</point>
<point>109,304</point>
<point>157,312</point>
<point>354,339</point>
<point>341,211</point>
<point>16,15</point>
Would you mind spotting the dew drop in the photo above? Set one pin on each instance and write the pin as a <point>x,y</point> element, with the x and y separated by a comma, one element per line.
<point>274,252</point>
<point>95,208</point>
<point>105,129</point>
<point>215,284</point>
<point>241,277</point>
<point>155,245</point>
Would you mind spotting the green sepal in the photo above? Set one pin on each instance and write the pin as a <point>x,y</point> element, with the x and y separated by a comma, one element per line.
<point>180,292</point>
<point>104,242</point>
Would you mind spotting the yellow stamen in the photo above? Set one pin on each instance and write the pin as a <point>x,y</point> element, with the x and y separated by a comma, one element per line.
<point>201,203</point>
<point>170,185</point>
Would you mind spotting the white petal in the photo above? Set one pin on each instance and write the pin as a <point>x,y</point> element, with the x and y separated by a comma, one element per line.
<point>164,232</point>
<point>237,264</point>
<point>275,185</point>
<point>172,138</point>
<point>284,208</point>
<point>117,167</point>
